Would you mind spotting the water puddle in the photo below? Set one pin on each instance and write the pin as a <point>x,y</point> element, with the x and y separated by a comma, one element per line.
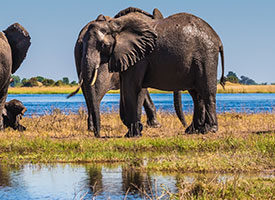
<point>93,181</point>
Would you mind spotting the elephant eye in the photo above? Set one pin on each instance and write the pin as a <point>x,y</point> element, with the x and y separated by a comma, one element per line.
<point>103,31</point>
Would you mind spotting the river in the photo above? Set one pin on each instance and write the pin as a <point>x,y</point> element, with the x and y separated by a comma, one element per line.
<point>40,104</point>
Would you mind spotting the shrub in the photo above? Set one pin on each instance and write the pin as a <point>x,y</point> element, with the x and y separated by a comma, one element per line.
<point>48,82</point>
<point>65,81</point>
<point>59,83</point>
<point>30,83</point>
<point>15,81</point>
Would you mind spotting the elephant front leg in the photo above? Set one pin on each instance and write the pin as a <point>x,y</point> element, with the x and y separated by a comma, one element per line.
<point>130,112</point>
<point>131,101</point>
<point>3,97</point>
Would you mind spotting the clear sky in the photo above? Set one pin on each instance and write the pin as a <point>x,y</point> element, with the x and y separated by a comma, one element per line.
<point>246,27</point>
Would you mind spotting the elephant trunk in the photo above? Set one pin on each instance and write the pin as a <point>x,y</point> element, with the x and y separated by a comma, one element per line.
<point>90,63</point>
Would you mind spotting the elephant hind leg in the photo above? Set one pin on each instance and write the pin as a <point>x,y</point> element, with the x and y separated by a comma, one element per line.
<point>204,116</point>
<point>150,111</point>
<point>208,93</point>
<point>198,113</point>
<point>211,122</point>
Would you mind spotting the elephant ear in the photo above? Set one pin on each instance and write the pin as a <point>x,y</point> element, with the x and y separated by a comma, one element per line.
<point>19,41</point>
<point>135,38</point>
<point>157,14</point>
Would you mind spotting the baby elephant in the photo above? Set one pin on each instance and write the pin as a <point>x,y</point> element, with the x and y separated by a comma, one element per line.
<point>12,113</point>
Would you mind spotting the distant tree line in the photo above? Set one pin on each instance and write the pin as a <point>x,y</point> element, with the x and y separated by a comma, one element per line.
<point>233,78</point>
<point>16,81</point>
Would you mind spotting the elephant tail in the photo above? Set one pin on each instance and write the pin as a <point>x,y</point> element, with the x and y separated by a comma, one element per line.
<point>223,79</point>
<point>78,88</point>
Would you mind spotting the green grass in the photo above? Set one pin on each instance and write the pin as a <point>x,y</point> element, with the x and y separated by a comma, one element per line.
<point>236,188</point>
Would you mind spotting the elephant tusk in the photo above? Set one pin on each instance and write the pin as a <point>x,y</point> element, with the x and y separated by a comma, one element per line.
<point>23,111</point>
<point>95,76</point>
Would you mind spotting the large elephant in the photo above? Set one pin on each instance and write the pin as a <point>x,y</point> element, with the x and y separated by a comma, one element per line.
<point>12,113</point>
<point>14,44</point>
<point>179,52</point>
<point>94,90</point>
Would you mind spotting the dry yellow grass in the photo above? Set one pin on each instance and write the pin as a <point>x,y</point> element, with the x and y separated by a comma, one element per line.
<point>42,90</point>
<point>244,142</point>
<point>75,126</point>
<point>238,88</point>
<point>229,88</point>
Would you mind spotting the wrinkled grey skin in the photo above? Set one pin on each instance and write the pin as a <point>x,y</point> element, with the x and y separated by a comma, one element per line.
<point>109,81</point>
<point>14,44</point>
<point>12,114</point>
<point>177,53</point>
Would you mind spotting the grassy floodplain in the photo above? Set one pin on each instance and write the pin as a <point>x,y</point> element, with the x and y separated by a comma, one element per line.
<point>245,143</point>
<point>244,147</point>
<point>229,88</point>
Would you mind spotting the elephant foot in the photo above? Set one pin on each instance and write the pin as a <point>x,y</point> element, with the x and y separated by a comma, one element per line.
<point>134,130</point>
<point>21,128</point>
<point>153,123</point>
<point>191,129</point>
<point>206,128</point>
<point>96,133</point>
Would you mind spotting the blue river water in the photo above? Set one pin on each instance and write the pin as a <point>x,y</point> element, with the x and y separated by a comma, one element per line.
<point>40,104</point>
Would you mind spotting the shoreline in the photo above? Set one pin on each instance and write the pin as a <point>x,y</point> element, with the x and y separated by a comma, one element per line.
<point>229,88</point>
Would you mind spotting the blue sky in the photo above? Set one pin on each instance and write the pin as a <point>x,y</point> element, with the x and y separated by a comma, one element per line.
<point>247,29</point>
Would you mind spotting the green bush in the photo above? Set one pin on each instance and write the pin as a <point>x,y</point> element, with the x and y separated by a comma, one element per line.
<point>48,82</point>
<point>30,83</point>
<point>59,83</point>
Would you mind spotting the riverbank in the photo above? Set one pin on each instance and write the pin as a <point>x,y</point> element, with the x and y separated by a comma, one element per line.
<point>244,143</point>
<point>229,88</point>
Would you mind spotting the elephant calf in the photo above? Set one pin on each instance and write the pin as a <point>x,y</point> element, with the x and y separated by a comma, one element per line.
<point>12,113</point>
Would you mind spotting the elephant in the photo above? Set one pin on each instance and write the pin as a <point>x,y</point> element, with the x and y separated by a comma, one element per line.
<point>14,44</point>
<point>12,113</point>
<point>176,53</point>
<point>94,91</point>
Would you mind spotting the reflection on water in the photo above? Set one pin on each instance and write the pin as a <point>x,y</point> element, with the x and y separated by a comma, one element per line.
<point>67,181</point>
<point>76,181</point>
<point>40,104</point>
